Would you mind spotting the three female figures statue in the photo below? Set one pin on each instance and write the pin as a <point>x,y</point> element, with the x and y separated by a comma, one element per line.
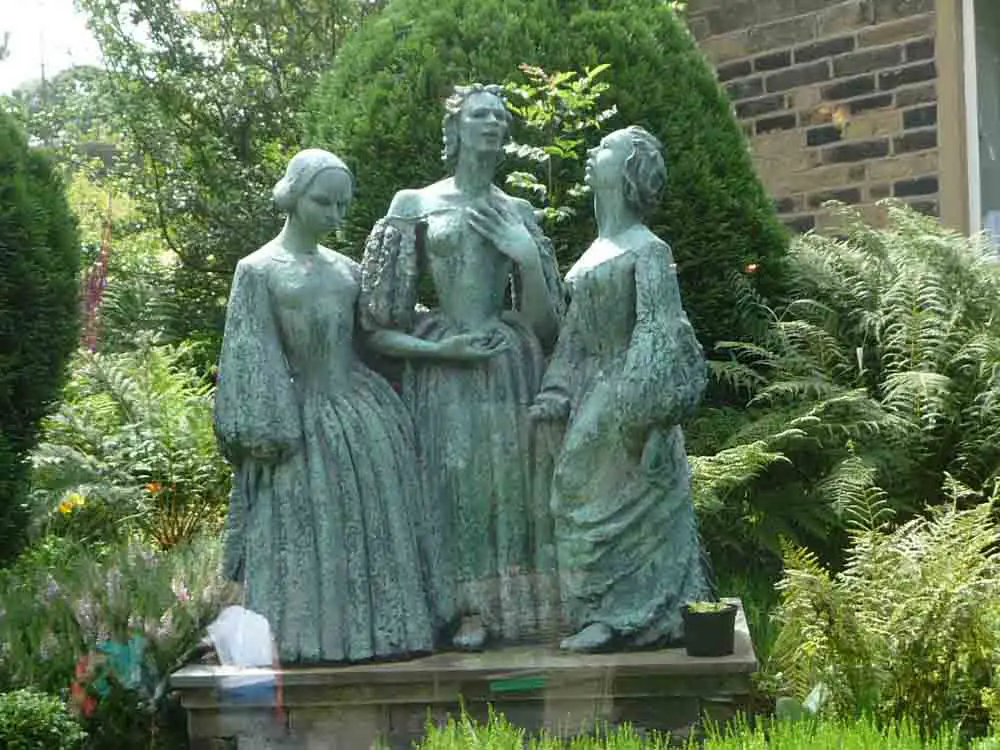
<point>365,524</point>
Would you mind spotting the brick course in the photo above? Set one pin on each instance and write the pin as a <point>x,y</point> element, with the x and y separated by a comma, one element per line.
<point>838,98</point>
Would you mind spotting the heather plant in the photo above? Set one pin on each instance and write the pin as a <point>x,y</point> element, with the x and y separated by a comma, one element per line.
<point>107,626</point>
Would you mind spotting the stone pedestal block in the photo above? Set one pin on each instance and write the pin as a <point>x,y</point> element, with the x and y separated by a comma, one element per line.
<point>535,687</point>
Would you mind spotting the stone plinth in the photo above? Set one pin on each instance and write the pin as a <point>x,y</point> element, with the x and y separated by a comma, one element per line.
<point>327,708</point>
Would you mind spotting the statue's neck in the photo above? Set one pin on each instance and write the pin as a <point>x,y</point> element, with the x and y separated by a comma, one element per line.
<point>614,217</point>
<point>296,238</point>
<point>474,173</point>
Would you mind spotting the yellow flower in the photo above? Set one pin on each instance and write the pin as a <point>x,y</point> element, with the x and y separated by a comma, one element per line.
<point>71,501</point>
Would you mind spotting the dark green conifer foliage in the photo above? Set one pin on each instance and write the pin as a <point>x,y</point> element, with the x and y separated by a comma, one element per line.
<point>380,107</point>
<point>39,265</point>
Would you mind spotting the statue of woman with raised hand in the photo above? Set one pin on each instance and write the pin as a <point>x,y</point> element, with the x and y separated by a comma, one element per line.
<point>324,528</point>
<point>627,369</point>
<point>473,365</point>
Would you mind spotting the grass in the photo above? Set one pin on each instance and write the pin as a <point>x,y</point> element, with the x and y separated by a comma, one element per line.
<point>498,734</point>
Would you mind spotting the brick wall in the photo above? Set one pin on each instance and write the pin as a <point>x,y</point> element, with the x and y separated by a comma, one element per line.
<point>838,97</point>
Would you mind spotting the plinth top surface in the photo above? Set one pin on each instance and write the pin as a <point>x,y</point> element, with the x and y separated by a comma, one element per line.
<point>498,663</point>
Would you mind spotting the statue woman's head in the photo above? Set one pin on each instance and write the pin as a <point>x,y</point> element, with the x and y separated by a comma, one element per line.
<point>631,160</point>
<point>476,118</point>
<point>316,190</point>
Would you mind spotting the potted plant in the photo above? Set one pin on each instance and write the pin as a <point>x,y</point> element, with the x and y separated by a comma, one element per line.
<point>709,628</point>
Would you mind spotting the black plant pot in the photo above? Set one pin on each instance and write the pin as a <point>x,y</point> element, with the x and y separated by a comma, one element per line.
<point>709,633</point>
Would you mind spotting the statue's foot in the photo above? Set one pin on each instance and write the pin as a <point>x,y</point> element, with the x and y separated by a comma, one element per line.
<point>595,637</point>
<point>471,635</point>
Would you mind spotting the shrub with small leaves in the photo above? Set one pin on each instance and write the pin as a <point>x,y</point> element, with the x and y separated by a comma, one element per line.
<point>31,720</point>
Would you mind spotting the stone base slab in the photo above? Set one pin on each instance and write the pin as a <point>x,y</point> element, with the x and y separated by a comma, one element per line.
<point>536,687</point>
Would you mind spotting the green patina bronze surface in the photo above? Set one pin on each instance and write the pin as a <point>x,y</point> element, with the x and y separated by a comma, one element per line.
<point>324,524</point>
<point>627,369</point>
<point>473,364</point>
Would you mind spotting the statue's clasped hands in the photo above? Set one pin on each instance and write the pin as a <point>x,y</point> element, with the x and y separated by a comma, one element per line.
<point>506,231</point>
<point>472,347</point>
<point>549,407</point>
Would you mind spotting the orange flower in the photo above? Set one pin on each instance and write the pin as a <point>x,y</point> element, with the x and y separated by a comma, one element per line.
<point>154,487</point>
<point>71,501</point>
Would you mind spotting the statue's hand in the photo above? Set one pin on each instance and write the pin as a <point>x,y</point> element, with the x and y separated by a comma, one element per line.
<point>549,407</point>
<point>505,230</point>
<point>470,347</point>
<point>270,453</point>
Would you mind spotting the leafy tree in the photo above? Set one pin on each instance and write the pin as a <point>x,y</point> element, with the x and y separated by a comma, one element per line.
<point>380,108</point>
<point>39,259</point>
<point>71,112</point>
<point>209,102</point>
<point>557,111</point>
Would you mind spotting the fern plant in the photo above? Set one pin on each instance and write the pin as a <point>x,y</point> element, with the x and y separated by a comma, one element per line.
<point>131,450</point>
<point>907,628</point>
<point>881,375</point>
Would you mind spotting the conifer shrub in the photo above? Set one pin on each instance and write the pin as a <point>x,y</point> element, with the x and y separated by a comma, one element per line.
<point>380,107</point>
<point>39,259</point>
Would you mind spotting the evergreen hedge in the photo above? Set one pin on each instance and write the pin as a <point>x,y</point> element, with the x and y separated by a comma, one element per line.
<point>380,107</point>
<point>39,265</point>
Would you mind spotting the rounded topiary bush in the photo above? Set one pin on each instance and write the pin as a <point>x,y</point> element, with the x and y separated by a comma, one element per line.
<point>380,107</point>
<point>39,265</point>
<point>30,720</point>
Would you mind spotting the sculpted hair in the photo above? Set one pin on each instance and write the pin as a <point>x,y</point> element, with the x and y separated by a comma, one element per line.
<point>645,171</point>
<point>299,174</point>
<point>453,110</point>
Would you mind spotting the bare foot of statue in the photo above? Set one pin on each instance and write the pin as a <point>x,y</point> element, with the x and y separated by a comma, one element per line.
<point>471,635</point>
<point>595,637</point>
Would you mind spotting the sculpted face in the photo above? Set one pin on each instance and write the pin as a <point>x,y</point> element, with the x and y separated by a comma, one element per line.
<point>482,124</point>
<point>323,205</point>
<point>606,161</point>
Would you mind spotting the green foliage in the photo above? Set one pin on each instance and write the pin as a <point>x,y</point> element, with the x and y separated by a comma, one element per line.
<point>65,604</point>
<point>864,734</point>
<point>30,720</point>
<point>39,257</point>
<point>380,108</point>
<point>499,734</point>
<point>131,450</point>
<point>879,380</point>
<point>135,305</point>
<point>907,628</point>
<point>70,113</point>
<point>558,112</point>
<point>208,105</point>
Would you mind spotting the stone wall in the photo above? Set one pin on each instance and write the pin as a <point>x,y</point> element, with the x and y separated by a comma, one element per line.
<point>838,97</point>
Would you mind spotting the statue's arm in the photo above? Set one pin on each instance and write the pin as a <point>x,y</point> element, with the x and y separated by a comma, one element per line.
<point>558,388</point>
<point>539,292</point>
<point>256,414</point>
<point>388,299</point>
<point>665,373</point>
